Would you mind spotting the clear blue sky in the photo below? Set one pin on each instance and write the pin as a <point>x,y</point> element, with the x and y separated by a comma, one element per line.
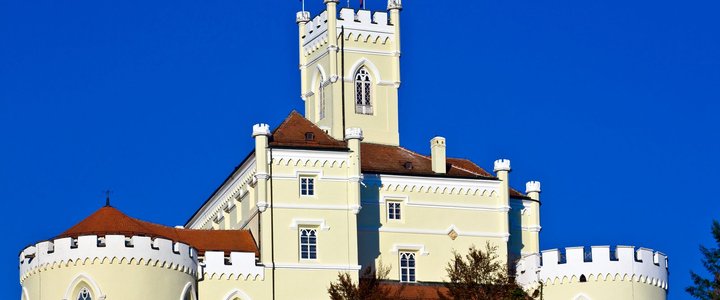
<point>612,104</point>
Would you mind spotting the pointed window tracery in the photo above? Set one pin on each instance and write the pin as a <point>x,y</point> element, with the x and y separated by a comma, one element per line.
<point>407,267</point>
<point>84,295</point>
<point>363,92</point>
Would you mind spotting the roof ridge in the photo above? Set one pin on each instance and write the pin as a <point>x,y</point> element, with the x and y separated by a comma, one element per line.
<point>414,153</point>
<point>429,157</point>
<point>466,170</point>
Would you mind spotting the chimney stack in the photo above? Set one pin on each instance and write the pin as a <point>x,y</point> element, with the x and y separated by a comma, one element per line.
<point>437,153</point>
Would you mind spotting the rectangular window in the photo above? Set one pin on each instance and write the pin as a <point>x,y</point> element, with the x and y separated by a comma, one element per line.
<point>308,243</point>
<point>307,186</point>
<point>393,210</point>
<point>407,267</point>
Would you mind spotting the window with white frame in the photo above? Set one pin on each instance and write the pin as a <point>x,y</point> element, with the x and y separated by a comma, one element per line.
<point>84,295</point>
<point>363,83</point>
<point>393,211</point>
<point>308,243</point>
<point>321,95</point>
<point>307,186</point>
<point>407,267</point>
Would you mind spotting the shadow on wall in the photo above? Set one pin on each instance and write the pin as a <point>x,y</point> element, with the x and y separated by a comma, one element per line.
<point>368,225</point>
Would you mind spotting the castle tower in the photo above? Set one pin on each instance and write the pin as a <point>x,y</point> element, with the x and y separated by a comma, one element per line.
<point>350,70</point>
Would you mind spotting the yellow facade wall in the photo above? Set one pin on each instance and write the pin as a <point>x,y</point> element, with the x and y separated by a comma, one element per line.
<point>116,281</point>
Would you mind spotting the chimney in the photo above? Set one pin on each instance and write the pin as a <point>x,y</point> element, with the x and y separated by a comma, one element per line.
<point>437,153</point>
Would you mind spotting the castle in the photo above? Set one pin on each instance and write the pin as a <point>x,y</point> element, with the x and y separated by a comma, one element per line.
<point>329,192</point>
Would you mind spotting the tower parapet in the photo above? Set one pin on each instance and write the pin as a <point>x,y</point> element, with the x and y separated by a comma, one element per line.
<point>91,249</point>
<point>502,165</point>
<point>361,25</point>
<point>239,265</point>
<point>602,263</point>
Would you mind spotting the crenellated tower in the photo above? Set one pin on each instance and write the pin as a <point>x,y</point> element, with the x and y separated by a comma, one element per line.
<point>350,70</point>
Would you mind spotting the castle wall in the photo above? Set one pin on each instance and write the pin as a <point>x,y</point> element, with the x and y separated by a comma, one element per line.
<point>604,289</point>
<point>328,210</point>
<point>439,215</point>
<point>290,284</point>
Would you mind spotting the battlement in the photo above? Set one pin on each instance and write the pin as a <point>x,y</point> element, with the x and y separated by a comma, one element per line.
<point>261,129</point>
<point>574,264</point>
<point>353,133</point>
<point>110,249</point>
<point>373,26</point>
<point>239,265</point>
<point>532,187</point>
<point>502,165</point>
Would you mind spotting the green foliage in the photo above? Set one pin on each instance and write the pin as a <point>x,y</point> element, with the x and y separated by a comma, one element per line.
<point>369,287</point>
<point>481,275</point>
<point>708,289</point>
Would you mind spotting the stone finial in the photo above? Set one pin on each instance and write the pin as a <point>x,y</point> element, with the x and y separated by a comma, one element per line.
<point>302,17</point>
<point>502,165</point>
<point>394,4</point>
<point>532,187</point>
<point>353,133</point>
<point>261,129</point>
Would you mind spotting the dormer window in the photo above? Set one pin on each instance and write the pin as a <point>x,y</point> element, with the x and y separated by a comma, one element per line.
<point>363,84</point>
<point>309,136</point>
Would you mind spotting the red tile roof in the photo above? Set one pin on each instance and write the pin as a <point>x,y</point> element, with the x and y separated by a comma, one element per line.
<point>415,291</point>
<point>376,158</point>
<point>387,159</point>
<point>109,220</point>
<point>292,133</point>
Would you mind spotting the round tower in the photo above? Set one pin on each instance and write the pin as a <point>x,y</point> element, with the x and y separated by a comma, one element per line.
<point>84,262</point>
<point>603,273</point>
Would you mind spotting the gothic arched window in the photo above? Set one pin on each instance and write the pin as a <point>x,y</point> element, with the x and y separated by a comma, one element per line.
<point>363,83</point>
<point>84,295</point>
<point>407,267</point>
<point>321,96</point>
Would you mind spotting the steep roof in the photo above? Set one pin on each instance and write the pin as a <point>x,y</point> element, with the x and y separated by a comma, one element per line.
<point>293,133</point>
<point>109,220</point>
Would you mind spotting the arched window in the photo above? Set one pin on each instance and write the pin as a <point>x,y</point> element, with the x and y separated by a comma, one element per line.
<point>363,84</point>
<point>188,295</point>
<point>321,96</point>
<point>407,267</point>
<point>308,244</point>
<point>84,295</point>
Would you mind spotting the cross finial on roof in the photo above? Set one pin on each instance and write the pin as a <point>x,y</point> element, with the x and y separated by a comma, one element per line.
<point>107,198</point>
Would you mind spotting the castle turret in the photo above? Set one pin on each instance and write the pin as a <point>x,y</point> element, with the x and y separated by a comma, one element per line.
<point>354,136</point>
<point>350,69</point>
<point>261,133</point>
<point>502,170</point>
<point>531,219</point>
